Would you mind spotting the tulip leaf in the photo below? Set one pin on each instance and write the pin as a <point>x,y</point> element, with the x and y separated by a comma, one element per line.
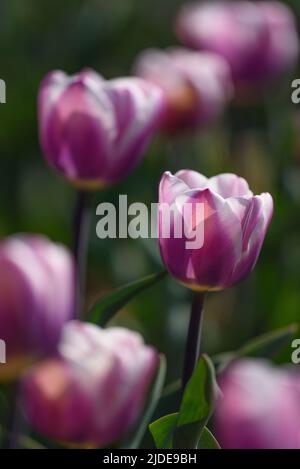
<point>162,431</point>
<point>186,429</point>
<point>171,388</point>
<point>106,307</point>
<point>197,405</point>
<point>265,345</point>
<point>207,440</point>
<point>26,442</point>
<point>135,440</point>
<point>269,343</point>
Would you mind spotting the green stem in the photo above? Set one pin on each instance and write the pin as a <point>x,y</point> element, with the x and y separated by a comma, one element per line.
<point>82,217</point>
<point>192,350</point>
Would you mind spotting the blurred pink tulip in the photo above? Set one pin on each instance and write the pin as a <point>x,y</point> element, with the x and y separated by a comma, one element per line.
<point>259,39</point>
<point>94,131</point>
<point>197,86</point>
<point>234,223</point>
<point>93,393</point>
<point>259,407</point>
<point>36,298</point>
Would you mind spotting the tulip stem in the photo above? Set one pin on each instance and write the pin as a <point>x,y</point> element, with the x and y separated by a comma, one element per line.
<point>82,215</point>
<point>192,350</point>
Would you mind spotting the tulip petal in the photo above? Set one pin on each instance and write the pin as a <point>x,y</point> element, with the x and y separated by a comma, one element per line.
<point>137,107</point>
<point>215,260</point>
<point>193,179</point>
<point>77,129</point>
<point>255,224</point>
<point>229,185</point>
<point>169,218</point>
<point>20,286</point>
<point>170,187</point>
<point>59,272</point>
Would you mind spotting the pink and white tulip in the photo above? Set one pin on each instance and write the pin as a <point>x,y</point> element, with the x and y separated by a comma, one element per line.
<point>37,294</point>
<point>95,131</point>
<point>259,407</point>
<point>258,39</point>
<point>93,392</point>
<point>234,223</point>
<point>196,86</point>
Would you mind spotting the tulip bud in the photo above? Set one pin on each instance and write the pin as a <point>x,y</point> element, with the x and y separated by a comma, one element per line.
<point>259,407</point>
<point>197,86</point>
<point>93,393</point>
<point>231,220</point>
<point>36,298</point>
<point>259,40</point>
<point>95,131</point>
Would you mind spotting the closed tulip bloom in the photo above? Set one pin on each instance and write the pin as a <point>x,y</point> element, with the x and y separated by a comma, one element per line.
<point>233,223</point>
<point>94,131</point>
<point>259,407</point>
<point>93,392</point>
<point>259,40</point>
<point>196,86</point>
<point>36,298</point>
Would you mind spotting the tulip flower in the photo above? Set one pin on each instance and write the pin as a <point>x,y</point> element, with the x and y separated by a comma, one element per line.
<point>233,225</point>
<point>259,407</point>
<point>210,234</point>
<point>95,131</point>
<point>196,86</point>
<point>259,39</point>
<point>36,298</point>
<point>93,392</point>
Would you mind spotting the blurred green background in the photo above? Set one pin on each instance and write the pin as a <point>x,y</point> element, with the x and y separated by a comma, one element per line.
<point>259,141</point>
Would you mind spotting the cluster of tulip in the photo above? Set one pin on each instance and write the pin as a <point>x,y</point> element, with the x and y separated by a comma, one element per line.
<point>84,385</point>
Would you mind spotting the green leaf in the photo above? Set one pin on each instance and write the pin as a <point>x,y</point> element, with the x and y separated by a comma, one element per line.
<point>197,405</point>
<point>105,308</point>
<point>207,440</point>
<point>171,388</point>
<point>162,430</point>
<point>135,440</point>
<point>27,442</point>
<point>268,344</point>
<point>265,345</point>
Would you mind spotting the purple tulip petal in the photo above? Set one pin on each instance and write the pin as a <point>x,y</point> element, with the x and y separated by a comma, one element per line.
<point>193,179</point>
<point>222,240</point>
<point>170,187</point>
<point>137,107</point>
<point>77,129</point>
<point>254,226</point>
<point>230,185</point>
